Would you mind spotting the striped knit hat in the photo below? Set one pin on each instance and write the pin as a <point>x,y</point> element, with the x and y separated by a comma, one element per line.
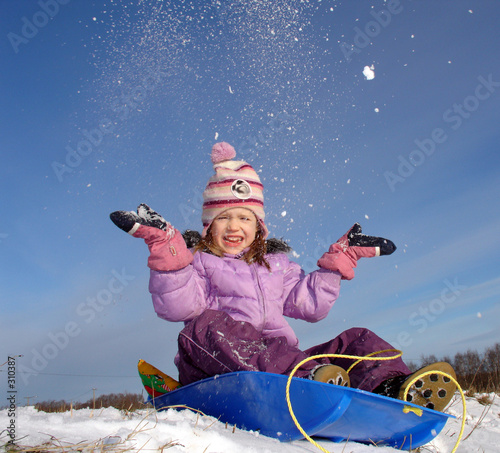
<point>234,185</point>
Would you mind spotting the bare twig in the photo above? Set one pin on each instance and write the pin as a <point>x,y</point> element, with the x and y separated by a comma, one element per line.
<point>480,419</point>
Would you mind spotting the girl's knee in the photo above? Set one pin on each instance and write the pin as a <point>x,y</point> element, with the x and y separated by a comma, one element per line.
<point>358,332</point>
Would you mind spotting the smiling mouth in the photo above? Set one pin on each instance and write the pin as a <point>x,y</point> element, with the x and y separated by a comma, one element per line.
<point>233,240</point>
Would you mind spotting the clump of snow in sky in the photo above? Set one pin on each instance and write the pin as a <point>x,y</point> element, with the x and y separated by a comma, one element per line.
<point>369,72</point>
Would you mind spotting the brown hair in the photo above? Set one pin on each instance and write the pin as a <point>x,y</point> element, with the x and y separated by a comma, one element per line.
<point>255,254</point>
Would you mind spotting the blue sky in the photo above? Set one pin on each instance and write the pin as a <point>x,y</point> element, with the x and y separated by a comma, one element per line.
<point>108,105</point>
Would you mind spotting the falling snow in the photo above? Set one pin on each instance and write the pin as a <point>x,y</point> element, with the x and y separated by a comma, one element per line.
<point>369,72</point>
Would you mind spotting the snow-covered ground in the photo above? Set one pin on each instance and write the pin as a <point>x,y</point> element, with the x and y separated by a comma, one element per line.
<point>185,431</point>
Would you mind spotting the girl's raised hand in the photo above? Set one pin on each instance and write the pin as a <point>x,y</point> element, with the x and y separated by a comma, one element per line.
<point>356,239</point>
<point>166,245</point>
<point>344,254</point>
<point>125,220</point>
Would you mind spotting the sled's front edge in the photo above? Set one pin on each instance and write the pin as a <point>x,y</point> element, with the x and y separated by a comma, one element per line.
<point>256,401</point>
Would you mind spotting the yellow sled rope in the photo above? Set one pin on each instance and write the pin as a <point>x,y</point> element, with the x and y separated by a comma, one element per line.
<point>358,360</point>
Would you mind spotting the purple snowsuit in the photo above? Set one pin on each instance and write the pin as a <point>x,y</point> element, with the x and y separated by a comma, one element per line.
<point>234,316</point>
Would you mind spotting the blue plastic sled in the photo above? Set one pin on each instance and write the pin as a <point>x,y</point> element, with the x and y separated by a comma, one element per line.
<point>256,401</point>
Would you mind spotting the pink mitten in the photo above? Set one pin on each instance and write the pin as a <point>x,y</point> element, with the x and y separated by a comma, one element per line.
<point>168,250</point>
<point>344,254</point>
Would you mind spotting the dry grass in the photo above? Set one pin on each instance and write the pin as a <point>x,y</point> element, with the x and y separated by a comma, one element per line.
<point>485,400</point>
<point>109,444</point>
<point>487,407</point>
<point>126,402</point>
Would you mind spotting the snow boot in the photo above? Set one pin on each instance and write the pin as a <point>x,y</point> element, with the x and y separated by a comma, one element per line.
<point>331,374</point>
<point>433,391</point>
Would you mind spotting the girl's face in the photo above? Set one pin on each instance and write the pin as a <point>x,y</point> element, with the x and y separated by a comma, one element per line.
<point>234,230</point>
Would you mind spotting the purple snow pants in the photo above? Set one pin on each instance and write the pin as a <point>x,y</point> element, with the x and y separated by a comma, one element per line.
<point>214,343</point>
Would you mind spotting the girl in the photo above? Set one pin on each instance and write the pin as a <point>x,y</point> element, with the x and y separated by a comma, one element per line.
<point>235,288</point>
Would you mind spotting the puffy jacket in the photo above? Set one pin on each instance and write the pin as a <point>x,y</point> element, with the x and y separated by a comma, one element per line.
<point>246,292</point>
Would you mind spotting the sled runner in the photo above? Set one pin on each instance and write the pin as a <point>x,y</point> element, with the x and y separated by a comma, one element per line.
<point>257,401</point>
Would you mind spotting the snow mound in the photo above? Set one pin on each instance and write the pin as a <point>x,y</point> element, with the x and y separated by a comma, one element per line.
<point>186,431</point>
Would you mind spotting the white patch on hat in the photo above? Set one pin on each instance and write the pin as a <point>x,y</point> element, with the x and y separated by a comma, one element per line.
<point>241,189</point>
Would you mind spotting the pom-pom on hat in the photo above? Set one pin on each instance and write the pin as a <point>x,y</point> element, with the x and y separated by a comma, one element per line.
<point>234,185</point>
<point>222,151</point>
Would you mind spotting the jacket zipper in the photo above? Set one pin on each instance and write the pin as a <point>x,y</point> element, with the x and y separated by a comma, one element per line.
<point>260,293</point>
